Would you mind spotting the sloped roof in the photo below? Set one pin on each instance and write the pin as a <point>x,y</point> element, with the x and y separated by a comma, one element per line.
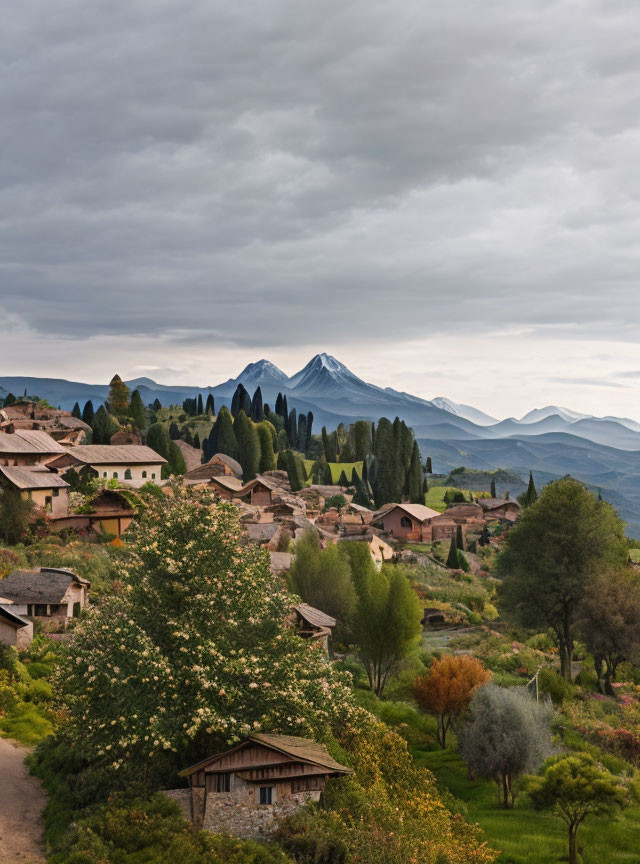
<point>191,455</point>
<point>228,461</point>
<point>234,484</point>
<point>11,617</point>
<point>494,503</point>
<point>72,422</point>
<point>280,561</point>
<point>418,511</point>
<point>46,585</point>
<point>299,749</point>
<point>106,454</point>
<point>32,478</point>
<point>315,617</point>
<point>28,441</point>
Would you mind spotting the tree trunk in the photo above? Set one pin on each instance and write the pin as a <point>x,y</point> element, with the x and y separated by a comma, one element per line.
<point>573,849</point>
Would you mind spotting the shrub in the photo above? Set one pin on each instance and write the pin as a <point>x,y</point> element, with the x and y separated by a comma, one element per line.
<point>39,691</point>
<point>26,724</point>
<point>555,686</point>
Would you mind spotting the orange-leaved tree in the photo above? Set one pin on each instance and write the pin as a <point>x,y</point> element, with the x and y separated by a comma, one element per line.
<point>447,690</point>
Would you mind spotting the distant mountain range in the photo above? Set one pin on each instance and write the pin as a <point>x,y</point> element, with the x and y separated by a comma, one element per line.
<point>552,441</point>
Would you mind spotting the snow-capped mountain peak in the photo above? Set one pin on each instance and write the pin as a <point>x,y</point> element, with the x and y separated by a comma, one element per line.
<point>320,373</point>
<point>465,411</point>
<point>263,371</point>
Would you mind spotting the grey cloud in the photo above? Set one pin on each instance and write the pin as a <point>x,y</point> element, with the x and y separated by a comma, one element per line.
<point>272,172</point>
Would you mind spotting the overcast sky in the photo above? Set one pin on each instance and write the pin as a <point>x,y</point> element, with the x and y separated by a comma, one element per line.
<point>445,195</point>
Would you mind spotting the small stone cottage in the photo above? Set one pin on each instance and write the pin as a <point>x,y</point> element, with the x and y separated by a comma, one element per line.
<point>46,593</point>
<point>245,790</point>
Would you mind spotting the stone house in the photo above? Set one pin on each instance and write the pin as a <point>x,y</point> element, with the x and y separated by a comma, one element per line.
<point>14,629</point>
<point>218,466</point>
<point>257,492</point>
<point>47,490</point>
<point>132,465</point>
<point>27,447</point>
<point>49,592</point>
<point>246,789</point>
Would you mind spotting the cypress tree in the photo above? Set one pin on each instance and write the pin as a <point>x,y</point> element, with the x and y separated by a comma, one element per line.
<point>309,427</point>
<point>103,426</point>
<point>9,399</point>
<point>429,466</point>
<point>210,407</point>
<point>325,443</point>
<point>174,432</point>
<point>355,479</point>
<point>452,560</point>
<point>257,410</point>
<point>266,434</point>
<point>293,471</point>
<point>75,412</point>
<point>118,400</point>
<point>385,482</point>
<point>157,404</point>
<point>279,405</point>
<point>196,442</point>
<point>285,411</point>
<point>342,480</point>
<point>459,538</point>
<point>200,405</point>
<point>415,477</point>
<point>88,412</point>
<point>222,438</point>
<point>176,464</point>
<point>425,485</point>
<point>248,445</point>
<point>137,411</point>
<point>302,432</point>
<point>241,401</point>
<point>532,492</point>
<point>292,428</point>
<point>493,487</point>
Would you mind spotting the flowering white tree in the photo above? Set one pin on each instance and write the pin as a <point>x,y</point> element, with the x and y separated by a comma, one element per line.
<point>195,651</point>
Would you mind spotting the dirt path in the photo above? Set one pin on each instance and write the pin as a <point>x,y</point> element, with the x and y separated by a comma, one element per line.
<point>22,800</point>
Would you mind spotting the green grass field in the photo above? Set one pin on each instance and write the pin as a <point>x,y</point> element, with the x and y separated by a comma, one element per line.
<point>525,836</point>
<point>336,469</point>
<point>435,497</point>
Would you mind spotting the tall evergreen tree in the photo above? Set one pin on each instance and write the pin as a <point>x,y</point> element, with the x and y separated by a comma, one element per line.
<point>279,405</point>
<point>103,426</point>
<point>257,409</point>
<point>302,432</point>
<point>293,469</point>
<point>415,490</point>
<point>285,410</point>
<point>532,492</point>
<point>137,411</point>
<point>309,428</point>
<point>241,401</point>
<point>248,445</point>
<point>429,465</point>
<point>459,538</point>
<point>118,400</point>
<point>157,404</point>
<point>493,487</point>
<point>355,478</point>
<point>453,561</point>
<point>88,412</point>
<point>343,480</point>
<point>222,438</point>
<point>75,412</point>
<point>210,407</point>
<point>200,405</point>
<point>385,484</point>
<point>196,442</point>
<point>266,435</point>
<point>292,428</point>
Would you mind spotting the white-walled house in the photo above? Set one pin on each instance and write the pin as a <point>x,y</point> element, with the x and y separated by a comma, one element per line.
<point>131,465</point>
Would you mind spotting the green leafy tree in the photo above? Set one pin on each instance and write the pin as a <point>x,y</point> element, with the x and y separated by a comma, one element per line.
<point>608,618</point>
<point>573,788</point>
<point>194,653</point>
<point>15,513</point>
<point>248,445</point>
<point>118,399</point>
<point>137,411</point>
<point>551,555</point>
<point>322,578</point>
<point>506,733</point>
<point>388,624</point>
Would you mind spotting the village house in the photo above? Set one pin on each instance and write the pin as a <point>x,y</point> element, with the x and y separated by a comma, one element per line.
<point>414,523</point>
<point>131,465</point>
<point>110,513</point>
<point>125,438</point>
<point>500,508</point>
<point>27,447</point>
<point>257,492</point>
<point>47,491</point>
<point>315,625</point>
<point>246,789</point>
<point>219,465</point>
<point>49,592</point>
<point>14,629</point>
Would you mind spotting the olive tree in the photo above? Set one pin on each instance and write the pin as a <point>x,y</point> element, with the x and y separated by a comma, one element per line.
<point>506,733</point>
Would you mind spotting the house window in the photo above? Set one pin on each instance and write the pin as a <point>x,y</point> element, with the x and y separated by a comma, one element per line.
<point>405,522</point>
<point>144,474</point>
<point>127,474</point>
<point>56,492</point>
<point>153,476</point>
<point>40,610</point>
<point>104,473</point>
<point>223,782</point>
<point>115,475</point>
<point>266,795</point>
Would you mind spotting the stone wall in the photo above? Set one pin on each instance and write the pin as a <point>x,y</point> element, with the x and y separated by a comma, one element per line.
<point>182,798</point>
<point>237,813</point>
